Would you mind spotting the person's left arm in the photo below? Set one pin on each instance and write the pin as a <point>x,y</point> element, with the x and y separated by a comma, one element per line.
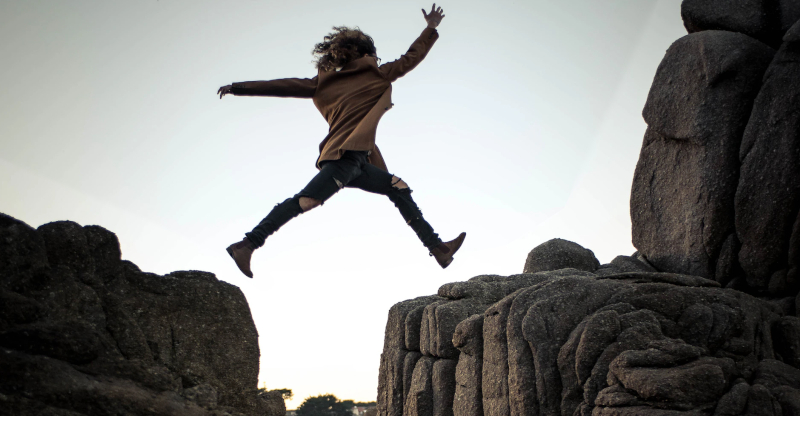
<point>418,50</point>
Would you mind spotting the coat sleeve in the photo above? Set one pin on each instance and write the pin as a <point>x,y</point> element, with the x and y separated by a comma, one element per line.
<point>418,50</point>
<point>303,88</point>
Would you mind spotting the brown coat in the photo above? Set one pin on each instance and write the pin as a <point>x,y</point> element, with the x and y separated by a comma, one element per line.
<point>352,100</point>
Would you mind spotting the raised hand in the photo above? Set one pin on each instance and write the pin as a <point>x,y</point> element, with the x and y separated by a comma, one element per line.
<point>435,17</point>
<point>224,90</point>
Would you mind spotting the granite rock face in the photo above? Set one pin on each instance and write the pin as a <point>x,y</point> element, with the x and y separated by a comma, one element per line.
<point>768,193</point>
<point>765,20</point>
<point>84,332</point>
<point>579,343</point>
<point>682,199</point>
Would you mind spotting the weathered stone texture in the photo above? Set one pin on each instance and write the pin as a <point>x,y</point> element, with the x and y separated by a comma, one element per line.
<point>682,208</point>
<point>768,194</point>
<point>629,343</point>
<point>83,332</point>
<point>560,254</point>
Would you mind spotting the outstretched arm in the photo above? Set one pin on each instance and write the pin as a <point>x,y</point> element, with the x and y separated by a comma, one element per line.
<point>303,88</point>
<point>418,50</point>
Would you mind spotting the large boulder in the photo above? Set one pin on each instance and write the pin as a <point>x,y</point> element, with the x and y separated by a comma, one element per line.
<point>560,254</point>
<point>768,194</point>
<point>765,20</point>
<point>682,210</point>
<point>84,332</point>
<point>756,18</point>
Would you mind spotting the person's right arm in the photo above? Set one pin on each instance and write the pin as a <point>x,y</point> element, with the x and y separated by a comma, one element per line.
<point>302,88</point>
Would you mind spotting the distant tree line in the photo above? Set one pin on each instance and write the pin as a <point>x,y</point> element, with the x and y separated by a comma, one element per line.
<point>330,405</point>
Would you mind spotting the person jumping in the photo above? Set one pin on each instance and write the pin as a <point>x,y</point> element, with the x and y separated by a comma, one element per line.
<point>352,92</point>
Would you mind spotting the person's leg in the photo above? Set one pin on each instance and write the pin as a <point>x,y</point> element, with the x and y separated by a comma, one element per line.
<point>375,180</point>
<point>331,178</point>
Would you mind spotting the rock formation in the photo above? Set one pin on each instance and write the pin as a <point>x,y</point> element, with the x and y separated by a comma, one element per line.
<point>84,332</point>
<point>703,318</point>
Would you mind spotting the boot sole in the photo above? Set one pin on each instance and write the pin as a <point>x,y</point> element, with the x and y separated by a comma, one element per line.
<point>449,260</point>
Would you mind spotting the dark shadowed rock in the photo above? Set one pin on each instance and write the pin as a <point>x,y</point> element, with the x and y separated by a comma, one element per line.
<point>662,277</point>
<point>495,358</point>
<point>789,11</point>
<point>522,393</point>
<point>572,389</point>
<point>16,309</point>
<point>22,253</point>
<point>420,396</point>
<point>409,363</point>
<point>682,387</point>
<point>468,338</point>
<point>786,339</point>
<point>734,402</point>
<point>104,249</point>
<point>695,324</point>
<point>391,392</point>
<point>756,18</point>
<point>67,246</point>
<point>760,402</point>
<point>624,263</point>
<point>774,373</point>
<point>789,399</point>
<point>443,381</point>
<point>684,184</point>
<point>560,254</point>
<point>56,385</point>
<point>72,342</point>
<point>468,399</point>
<point>413,326</point>
<point>768,194</point>
<point>391,389</point>
<point>87,333</point>
<point>617,395</point>
<point>203,395</point>
<point>641,411</point>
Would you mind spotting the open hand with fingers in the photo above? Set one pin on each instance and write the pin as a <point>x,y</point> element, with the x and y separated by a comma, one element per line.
<point>435,17</point>
<point>224,90</point>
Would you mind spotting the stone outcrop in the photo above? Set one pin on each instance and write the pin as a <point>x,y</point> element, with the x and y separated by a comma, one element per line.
<point>572,342</point>
<point>715,192</point>
<point>703,318</point>
<point>765,20</point>
<point>768,194</point>
<point>84,332</point>
<point>682,197</point>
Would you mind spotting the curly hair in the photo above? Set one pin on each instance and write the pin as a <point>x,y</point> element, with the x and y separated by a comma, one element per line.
<point>342,46</point>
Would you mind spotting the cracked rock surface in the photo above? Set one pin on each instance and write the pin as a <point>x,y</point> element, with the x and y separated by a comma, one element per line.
<point>83,332</point>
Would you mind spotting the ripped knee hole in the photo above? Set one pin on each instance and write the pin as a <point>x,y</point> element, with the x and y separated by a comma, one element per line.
<point>398,183</point>
<point>307,203</point>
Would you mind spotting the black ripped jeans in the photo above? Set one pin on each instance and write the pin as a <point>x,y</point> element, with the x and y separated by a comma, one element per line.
<point>352,170</point>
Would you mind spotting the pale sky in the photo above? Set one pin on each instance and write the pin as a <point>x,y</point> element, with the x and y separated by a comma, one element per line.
<point>523,124</point>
